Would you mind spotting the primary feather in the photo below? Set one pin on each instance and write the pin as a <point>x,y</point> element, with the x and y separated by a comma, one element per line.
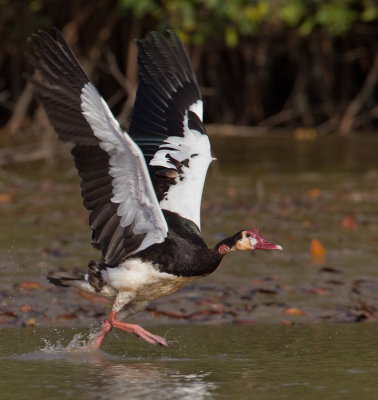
<point>167,125</point>
<point>116,187</point>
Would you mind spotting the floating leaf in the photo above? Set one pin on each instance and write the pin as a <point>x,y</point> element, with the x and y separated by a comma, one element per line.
<point>93,297</point>
<point>330,270</point>
<point>68,316</point>
<point>9,314</point>
<point>294,311</point>
<point>319,291</point>
<point>314,193</point>
<point>317,249</point>
<point>26,308</point>
<point>169,314</point>
<point>203,314</point>
<point>334,282</point>
<point>348,222</point>
<point>244,321</point>
<point>31,322</point>
<point>267,291</point>
<point>30,285</point>
<point>5,198</point>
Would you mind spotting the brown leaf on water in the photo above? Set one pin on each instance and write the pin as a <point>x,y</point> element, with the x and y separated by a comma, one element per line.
<point>318,252</point>
<point>67,316</point>
<point>31,322</point>
<point>319,290</point>
<point>314,193</point>
<point>334,282</point>
<point>261,281</point>
<point>317,249</point>
<point>202,315</point>
<point>288,288</point>
<point>5,198</point>
<point>169,314</point>
<point>244,321</point>
<point>249,307</point>
<point>257,282</point>
<point>30,285</point>
<point>10,314</point>
<point>26,308</point>
<point>348,223</point>
<point>294,311</point>
<point>288,322</point>
<point>267,291</point>
<point>330,270</point>
<point>197,315</point>
<point>306,224</point>
<point>93,297</point>
<point>208,300</point>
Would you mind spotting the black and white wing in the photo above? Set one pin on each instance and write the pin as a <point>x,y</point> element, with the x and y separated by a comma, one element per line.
<point>116,186</point>
<point>167,125</point>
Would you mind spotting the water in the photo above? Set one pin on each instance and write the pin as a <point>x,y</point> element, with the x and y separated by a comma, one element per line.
<point>259,362</point>
<point>245,344</point>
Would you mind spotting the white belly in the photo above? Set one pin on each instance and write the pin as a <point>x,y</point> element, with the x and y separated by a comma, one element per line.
<point>141,281</point>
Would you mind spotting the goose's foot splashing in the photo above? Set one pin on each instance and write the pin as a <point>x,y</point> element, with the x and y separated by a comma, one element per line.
<point>113,322</point>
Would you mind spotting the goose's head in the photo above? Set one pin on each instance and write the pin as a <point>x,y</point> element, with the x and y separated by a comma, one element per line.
<point>245,240</point>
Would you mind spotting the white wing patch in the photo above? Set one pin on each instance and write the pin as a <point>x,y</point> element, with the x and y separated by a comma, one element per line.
<point>184,198</point>
<point>197,108</point>
<point>132,186</point>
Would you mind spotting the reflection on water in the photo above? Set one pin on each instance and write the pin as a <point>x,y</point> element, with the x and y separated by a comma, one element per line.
<point>147,380</point>
<point>101,378</point>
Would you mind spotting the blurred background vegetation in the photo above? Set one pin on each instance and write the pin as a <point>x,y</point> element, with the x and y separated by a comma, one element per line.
<point>305,65</point>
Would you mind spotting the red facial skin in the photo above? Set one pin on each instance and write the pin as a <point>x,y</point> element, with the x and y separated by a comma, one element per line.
<point>261,244</point>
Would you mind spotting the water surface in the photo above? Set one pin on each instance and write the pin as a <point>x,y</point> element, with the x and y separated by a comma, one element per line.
<point>260,362</point>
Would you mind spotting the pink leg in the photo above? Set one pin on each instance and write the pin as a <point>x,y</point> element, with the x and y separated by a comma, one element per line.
<point>136,330</point>
<point>113,322</point>
<point>96,342</point>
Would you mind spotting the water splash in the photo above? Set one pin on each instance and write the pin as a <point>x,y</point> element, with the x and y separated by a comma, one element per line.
<point>79,342</point>
<point>78,350</point>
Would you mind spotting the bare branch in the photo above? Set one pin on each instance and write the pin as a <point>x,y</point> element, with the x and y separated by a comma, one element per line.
<point>347,120</point>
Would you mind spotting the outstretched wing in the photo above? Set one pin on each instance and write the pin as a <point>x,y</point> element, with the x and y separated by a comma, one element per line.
<point>116,186</point>
<point>167,125</point>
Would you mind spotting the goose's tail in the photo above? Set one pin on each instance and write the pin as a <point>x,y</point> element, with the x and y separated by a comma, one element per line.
<point>91,282</point>
<point>75,278</point>
<point>65,279</point>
